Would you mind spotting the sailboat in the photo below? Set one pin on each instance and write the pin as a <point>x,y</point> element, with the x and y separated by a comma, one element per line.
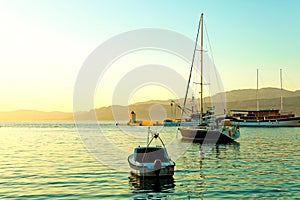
<point>219,130</point>
<point>265,117</point>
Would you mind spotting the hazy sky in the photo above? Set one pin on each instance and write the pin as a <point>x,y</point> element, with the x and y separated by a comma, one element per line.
<point>43,43</point>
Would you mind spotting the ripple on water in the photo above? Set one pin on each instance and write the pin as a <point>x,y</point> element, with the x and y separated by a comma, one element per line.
<point>48,160</point>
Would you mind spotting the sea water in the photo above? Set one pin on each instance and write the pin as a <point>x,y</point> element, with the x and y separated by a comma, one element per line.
<point>53,160</point>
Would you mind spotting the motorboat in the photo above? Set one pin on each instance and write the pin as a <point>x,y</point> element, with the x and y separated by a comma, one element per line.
<point>151,161</point>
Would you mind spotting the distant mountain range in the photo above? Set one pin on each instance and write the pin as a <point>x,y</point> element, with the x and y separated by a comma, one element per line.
<point>269,98</point>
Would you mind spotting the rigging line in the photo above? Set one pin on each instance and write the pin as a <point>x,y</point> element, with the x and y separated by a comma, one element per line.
<point>191,69</point>
<point>195,78</point>
<point>214,66</point>
<point>210,49</point>
<point>192,64</point>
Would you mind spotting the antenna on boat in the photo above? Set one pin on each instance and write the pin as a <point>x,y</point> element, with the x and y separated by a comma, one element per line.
<point>257,103</point>
<point>201,68</point>
<point>149,131</point>
<point>281,100</point>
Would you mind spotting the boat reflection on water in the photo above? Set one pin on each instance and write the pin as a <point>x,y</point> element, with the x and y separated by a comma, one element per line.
<point>220,151</point>
<point>213,151</point>
<point>208,142</point>
<point>151,184</point>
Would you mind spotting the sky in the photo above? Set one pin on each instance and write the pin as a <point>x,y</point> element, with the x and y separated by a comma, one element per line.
<point>44,43</point>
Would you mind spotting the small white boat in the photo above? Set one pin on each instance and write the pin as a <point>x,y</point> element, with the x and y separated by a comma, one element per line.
<point>151,161</point>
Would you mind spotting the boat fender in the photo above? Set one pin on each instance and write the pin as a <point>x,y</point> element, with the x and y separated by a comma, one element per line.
<point>229,132</point>
<point>157,166</point>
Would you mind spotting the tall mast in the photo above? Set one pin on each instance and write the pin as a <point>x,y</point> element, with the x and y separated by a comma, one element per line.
<point>201,68</point>
<point>257,103</point>
<point>281,100</point>
<point>191,69</point>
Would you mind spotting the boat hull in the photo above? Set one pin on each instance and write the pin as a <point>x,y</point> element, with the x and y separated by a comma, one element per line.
<point>285,122</point>
<point>148,169</point>
<point>206,136</point>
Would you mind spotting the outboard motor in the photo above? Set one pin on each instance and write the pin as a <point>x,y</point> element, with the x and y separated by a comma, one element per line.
<point>157,166</point>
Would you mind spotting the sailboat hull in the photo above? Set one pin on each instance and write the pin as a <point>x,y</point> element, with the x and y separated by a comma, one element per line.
<point>206,136</point>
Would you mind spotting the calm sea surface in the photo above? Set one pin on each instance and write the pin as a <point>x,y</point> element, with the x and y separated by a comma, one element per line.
<point>49,160</point>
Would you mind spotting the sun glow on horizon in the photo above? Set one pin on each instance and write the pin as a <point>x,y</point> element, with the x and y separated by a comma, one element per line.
<point>45,43</point>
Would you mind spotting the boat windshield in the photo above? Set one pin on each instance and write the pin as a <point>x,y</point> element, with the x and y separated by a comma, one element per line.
<point>149,155</point>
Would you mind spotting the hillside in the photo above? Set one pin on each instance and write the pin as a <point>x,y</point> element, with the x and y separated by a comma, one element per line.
<point>264,93</point>
<point>269,98</point>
